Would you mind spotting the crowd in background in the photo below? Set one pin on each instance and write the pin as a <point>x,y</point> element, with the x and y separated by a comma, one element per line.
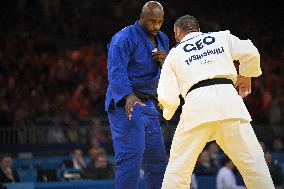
<point>53,62</point>
<point>38,81</point>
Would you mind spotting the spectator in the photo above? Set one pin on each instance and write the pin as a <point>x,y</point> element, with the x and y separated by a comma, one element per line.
<point>72,132</point>
<point>99,167</point>
<point>277,144</point>
<point>275,109</point>
<point>204,165</point>
<point>225,177</point>
<point>275,171</point>
<point>77,161</point>
<point>7,173</point>
<point>263,145</point>
<point>96,134</point>
<point>213,150</point>
<point>55,134</point>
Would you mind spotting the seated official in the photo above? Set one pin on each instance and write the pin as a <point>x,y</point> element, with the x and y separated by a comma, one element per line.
<point>225,177</point>
<point>204,165</point>
<point>7,173</point>
<point>99,167</point>
<point>77,162</point>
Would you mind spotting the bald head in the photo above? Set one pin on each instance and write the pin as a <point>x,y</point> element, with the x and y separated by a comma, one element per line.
<point>152,17</point>
<point>152,7</point>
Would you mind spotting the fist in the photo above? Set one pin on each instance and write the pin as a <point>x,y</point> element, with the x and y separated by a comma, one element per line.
<point>159,56</point>
<point>244,84</point>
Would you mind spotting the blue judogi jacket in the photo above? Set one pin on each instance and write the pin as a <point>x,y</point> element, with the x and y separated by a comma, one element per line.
<point>130,63</point>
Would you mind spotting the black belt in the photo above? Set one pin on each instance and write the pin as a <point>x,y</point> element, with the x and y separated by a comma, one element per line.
<point>145,97</point>
<point>142,96</point>
<point>207,82</point>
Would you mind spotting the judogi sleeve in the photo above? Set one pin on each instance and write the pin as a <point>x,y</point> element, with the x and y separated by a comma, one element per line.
<point>118,59</point>
<point>248,56</point>
<point>168,89</point>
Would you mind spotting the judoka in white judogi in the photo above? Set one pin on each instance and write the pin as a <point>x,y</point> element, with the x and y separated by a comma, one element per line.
<point>214,112</point>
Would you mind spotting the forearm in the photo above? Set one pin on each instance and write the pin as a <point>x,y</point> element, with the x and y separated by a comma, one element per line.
<point>168,90</point>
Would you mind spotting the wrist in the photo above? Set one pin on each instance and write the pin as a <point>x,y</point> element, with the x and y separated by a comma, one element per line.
<point>128,95</point>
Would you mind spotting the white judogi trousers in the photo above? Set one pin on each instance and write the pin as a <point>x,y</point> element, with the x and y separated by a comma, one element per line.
<point>235,137</point>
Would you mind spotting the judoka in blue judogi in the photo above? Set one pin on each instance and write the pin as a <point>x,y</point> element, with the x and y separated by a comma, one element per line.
<point>133,74</point>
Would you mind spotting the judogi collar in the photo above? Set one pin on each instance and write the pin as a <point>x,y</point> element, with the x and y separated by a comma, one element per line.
<point>191,36</point>
<point>147,39</point>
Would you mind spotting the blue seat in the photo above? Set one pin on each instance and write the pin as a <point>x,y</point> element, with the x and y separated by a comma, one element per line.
<point>24,185</point>
<point>206,182</point>
<point>278,156</point>
<point>26,163</point>
<point>17,163</point>
<point>39,162</point>
<point>28,175</point>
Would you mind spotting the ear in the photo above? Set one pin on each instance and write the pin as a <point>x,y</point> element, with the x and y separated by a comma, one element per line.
<point>178,31</point>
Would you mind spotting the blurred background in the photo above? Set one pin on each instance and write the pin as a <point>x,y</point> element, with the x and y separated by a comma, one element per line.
<point>53,78</point>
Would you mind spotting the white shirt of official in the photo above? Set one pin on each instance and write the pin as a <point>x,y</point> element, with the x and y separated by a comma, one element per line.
<point>76,164</point>
<point>227,180</point>
<point>194,184</point>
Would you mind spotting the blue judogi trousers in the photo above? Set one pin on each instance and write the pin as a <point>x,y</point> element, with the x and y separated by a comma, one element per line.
<point>137,142</point>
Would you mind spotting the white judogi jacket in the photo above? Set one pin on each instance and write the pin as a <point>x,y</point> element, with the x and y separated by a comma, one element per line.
<point>200,56</point>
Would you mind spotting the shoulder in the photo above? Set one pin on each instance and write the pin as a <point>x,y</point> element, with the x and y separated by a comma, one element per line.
<point>223,34</point>
<point>123,36</point>
<point>218,34</point>
<point>173,51</point>
<point>176,52</point>
<point>223,170</point>
<point>171,56</point>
